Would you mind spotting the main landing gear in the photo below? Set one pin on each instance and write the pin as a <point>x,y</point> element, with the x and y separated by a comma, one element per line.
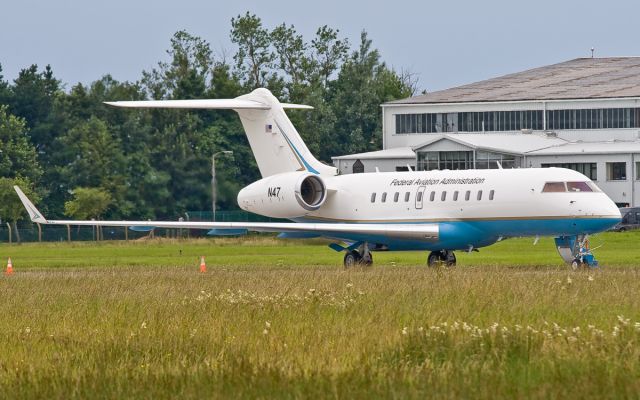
<point>442,257</point>
<point>358,257</point>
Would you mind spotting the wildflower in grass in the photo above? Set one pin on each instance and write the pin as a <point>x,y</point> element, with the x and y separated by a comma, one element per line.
<point>143,325</point>
<point>590,278</point>
<point>349,285</point>
<point>569,280</point>
<point>404,330</point>
<point>265,332</point>
<point>624,321</point>
<point>267,324</point>
<point>27,330</point>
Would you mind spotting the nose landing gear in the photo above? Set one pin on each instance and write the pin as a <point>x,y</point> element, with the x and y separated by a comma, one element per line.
<point>576,251</point>
<point>442,257</point>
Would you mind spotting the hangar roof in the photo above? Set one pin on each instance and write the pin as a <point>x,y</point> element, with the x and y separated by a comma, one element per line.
<point>569,148</point>
<point>519,144</point>
<point>582,78</point>
<point>500,142</point>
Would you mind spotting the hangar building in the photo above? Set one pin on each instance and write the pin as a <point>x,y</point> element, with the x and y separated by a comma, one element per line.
<point>582,114</point>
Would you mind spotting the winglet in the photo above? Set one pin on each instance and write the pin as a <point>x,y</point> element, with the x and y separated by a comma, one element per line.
<point>35,215</point>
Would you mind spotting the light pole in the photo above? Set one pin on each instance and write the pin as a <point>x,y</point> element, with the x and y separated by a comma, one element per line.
<point>213,180</point>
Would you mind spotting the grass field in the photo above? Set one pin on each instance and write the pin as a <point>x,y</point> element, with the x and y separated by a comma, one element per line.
<point>274,319</point>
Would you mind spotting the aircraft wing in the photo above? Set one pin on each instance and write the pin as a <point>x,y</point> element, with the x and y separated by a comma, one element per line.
<point>398,231</point>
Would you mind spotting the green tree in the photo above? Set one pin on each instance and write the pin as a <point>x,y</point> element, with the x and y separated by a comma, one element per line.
<point>94,158</point>
<point>364,82</point>
<point>17,154</point>
<point>329,52</point>
<point>33,95</point>
<point>11,208</point>
<point>254,58</point>
<point>88,203</point>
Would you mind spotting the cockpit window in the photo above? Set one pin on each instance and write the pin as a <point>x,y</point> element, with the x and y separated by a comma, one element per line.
<point>578,187</point>
<point>554,187</point>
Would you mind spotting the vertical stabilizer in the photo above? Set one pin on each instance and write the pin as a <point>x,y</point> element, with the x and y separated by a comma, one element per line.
<point>276,144</point>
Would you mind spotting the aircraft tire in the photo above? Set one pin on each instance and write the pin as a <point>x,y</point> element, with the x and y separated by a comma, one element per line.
<point>449,259</point>
<point>434,259</point>
<point>351,259</point>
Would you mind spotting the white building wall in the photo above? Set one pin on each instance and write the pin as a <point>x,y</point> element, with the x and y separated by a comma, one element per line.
<point>392,140</point>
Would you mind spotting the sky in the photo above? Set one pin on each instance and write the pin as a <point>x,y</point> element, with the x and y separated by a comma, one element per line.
<point>444,43</point>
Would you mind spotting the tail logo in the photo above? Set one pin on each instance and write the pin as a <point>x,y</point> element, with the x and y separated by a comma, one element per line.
<point>303,163</point>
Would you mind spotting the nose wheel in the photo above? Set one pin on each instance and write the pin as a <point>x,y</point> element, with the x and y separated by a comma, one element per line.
<point>442,257</point>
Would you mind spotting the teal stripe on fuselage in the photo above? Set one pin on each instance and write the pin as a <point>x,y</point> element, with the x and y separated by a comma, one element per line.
<point>459,235</point>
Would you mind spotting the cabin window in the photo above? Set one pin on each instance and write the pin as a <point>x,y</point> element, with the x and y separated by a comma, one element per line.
<point>467,195</point>
<point>455,196</point>
<point>578,187</point>
<point>384,197</point>
<point>396,197</point>
<point>373,197</point>
<point>554,187</point>
<point>419,197</point>
<point>491,193</point>
<point>406,196</point>
<point>479,195</point>
<point>443,197</point>
<point>432,197</point>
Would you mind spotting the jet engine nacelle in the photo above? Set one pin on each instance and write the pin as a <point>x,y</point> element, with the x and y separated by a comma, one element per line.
<point>285,195</point>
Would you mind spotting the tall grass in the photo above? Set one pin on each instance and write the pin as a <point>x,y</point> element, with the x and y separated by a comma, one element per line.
<point>118,326</point>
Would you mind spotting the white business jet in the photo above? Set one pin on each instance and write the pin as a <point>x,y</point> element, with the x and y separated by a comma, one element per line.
<point>438,211</point>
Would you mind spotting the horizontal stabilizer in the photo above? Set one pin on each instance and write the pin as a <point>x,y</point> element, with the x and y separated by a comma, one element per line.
<point>203,104</point>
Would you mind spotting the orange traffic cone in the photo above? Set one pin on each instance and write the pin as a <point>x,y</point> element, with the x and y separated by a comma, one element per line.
<point>9,270</point>
<point>203,266</point>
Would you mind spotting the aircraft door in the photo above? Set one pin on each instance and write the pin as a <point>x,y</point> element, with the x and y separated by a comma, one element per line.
<point>420,197</point>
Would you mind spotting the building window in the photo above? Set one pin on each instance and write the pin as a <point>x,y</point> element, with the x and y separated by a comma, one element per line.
<point>590,170</point>
<point>384,197</point>
<point>617,171</point>
<point>358,167</point>
<point>490,160</point>
<point>373,197</point>
<point>453,160</point>
<point>395,197</point>
<point>417,123</point>
<point>405,168</point>
<point>603,118</point>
